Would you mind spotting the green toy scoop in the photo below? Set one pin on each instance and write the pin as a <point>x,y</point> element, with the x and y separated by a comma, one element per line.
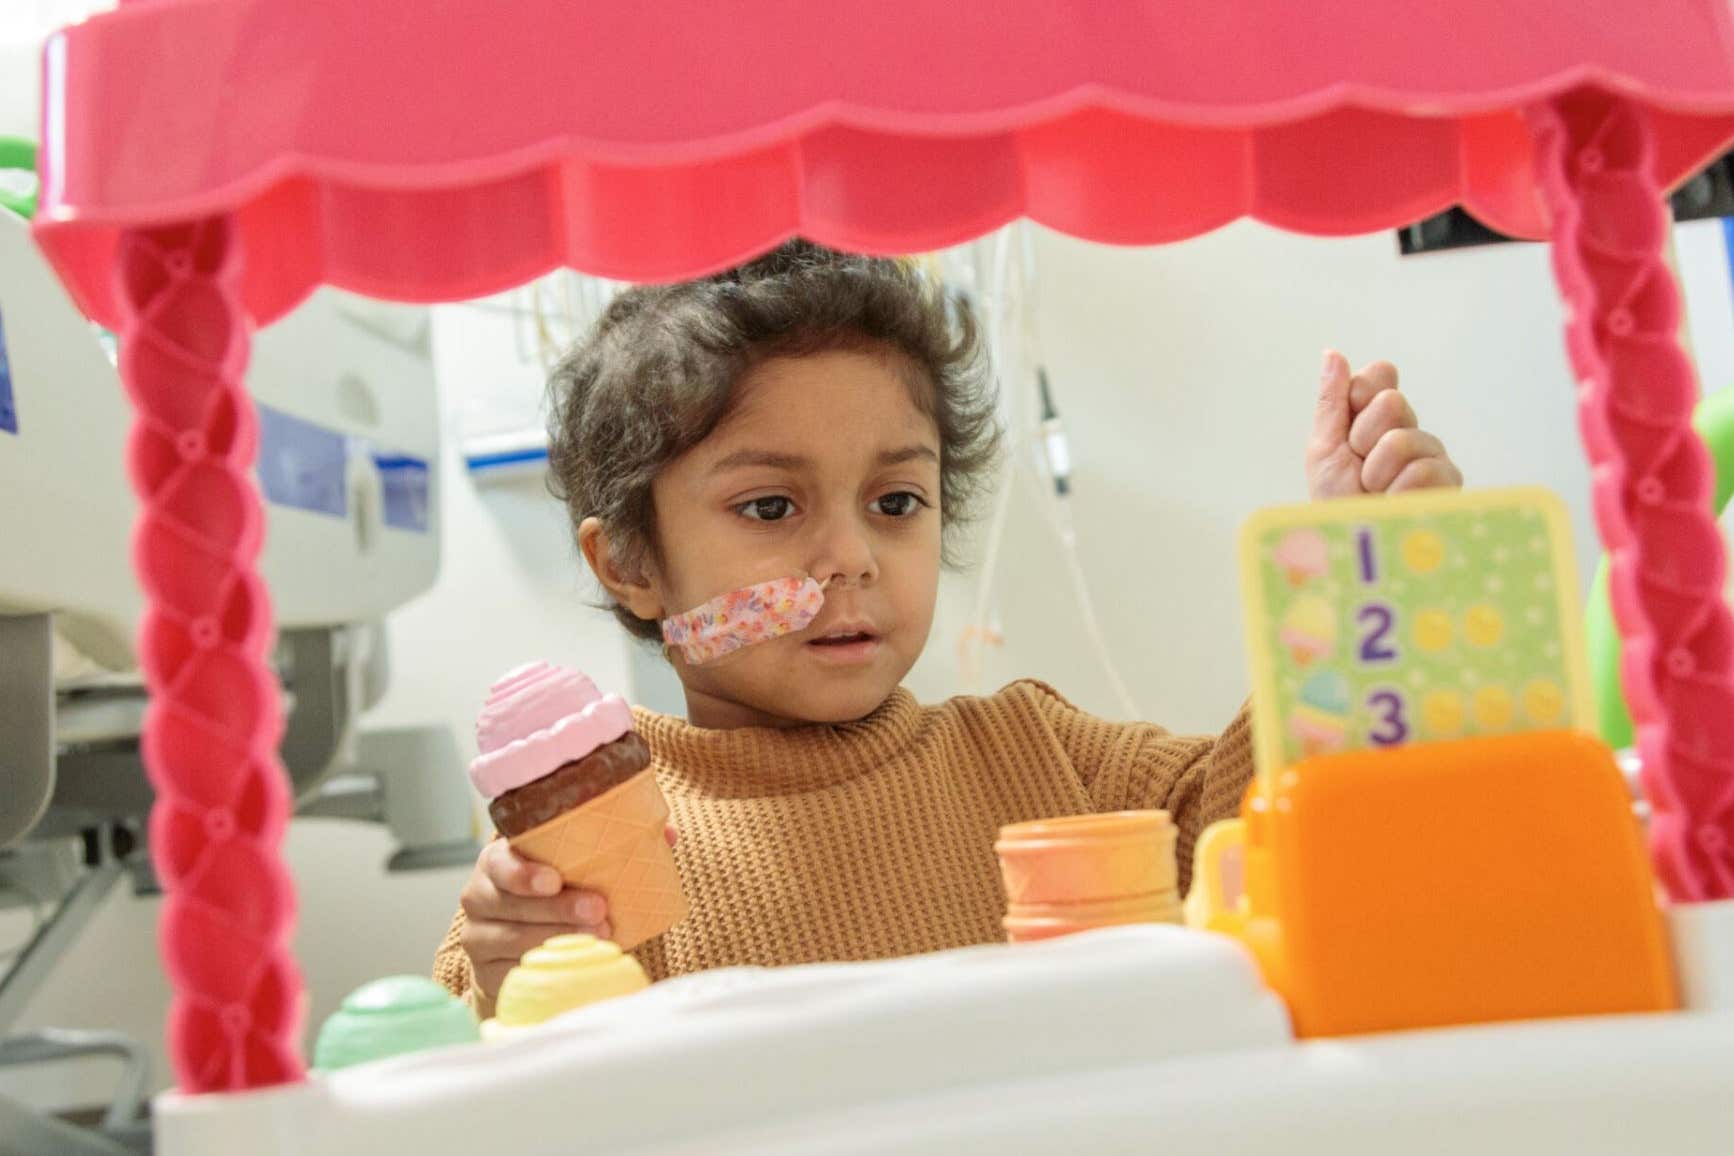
<point>391,1016</point>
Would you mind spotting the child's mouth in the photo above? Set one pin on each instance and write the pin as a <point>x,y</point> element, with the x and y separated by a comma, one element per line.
<point>845,646</point>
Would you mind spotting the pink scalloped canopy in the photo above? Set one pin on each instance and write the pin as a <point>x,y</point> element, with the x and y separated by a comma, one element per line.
<point>449,148</point>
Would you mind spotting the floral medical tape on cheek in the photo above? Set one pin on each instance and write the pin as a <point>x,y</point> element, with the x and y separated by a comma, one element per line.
<point>742,617</point>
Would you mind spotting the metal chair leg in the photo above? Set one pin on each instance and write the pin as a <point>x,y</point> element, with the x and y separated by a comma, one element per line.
<point>54,1044</point>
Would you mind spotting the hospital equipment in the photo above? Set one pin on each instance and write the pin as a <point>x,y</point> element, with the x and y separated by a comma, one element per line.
<point>349,441</point>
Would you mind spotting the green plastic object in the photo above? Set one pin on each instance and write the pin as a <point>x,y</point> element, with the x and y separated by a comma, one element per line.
<point>18,154</point>
<point>1714,422</point>
<point>392,1016</point>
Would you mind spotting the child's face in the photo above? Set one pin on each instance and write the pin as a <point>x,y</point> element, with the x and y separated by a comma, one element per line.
<point>824,466</point>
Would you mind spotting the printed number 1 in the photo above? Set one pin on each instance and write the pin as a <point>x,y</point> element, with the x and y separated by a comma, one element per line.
<point>1369,572</point>
<point>1392,728</point>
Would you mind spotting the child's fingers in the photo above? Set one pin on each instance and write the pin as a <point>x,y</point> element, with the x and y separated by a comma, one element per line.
<point>1428,474</point>
<point>491,941</point>
<point>1369,383</point>
<point>483,901</point>
<point>1395,452</point>
<point>495,948</point>
<point>671,834</point>
<point>1388,410</point>
<point>515,875</point>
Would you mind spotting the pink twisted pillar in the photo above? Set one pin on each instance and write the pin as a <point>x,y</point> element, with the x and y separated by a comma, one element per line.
<point>211,734</point>
<point>1652,477</point>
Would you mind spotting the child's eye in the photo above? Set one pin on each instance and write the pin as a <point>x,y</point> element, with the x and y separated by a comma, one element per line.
<point>772,509</point>
<point>899,505</point>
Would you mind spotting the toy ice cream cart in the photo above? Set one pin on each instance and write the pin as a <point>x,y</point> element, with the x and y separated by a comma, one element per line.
<point>207,163</point>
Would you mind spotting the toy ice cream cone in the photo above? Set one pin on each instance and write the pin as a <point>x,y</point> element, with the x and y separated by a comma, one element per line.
<point>570,786</point>
<point>615,845</point>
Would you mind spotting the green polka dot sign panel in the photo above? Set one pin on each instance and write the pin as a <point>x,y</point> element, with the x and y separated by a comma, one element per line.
<point>1378,621</point>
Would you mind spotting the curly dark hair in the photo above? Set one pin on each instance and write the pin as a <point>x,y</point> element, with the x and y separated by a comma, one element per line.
<point>657,373</point>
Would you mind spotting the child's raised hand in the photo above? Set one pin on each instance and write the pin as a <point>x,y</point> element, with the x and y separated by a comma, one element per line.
<point>511,905</point>
<point>1365,438</point>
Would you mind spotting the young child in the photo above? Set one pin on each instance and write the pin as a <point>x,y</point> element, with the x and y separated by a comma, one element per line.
<point>826,415</point>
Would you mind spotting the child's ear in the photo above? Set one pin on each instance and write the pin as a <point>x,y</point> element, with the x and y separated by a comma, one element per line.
<point>632,589</point>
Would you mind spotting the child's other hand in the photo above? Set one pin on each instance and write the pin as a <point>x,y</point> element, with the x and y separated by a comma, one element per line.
<point>1365,438</point>
<point>511,905</point>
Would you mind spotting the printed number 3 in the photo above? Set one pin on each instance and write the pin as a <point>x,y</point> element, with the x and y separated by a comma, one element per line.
<point>1392,728</point>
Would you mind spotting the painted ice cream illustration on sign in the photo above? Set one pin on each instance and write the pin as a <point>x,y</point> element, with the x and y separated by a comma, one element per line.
<point>1321,717</point>
<point>1309,630</point>
<point>1304,556</point>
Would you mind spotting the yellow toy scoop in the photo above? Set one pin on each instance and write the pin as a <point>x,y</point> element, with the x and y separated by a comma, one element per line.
<point>565,973</point>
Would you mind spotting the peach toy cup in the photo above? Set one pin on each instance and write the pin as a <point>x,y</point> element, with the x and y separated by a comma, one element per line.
<point>1030,922</point>
<point>1073,873</point>
<point>1083,858</point>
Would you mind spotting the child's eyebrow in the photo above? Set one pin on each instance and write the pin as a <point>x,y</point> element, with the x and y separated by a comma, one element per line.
<point>765,459</point>
<point>769,459</point>
<point>908,454</point>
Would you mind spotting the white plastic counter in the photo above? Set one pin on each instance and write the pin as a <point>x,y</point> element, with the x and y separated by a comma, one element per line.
<point>1137,1039</point>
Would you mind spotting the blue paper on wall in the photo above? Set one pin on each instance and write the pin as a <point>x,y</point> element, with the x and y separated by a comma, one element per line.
<point>404,482</point>
<point>303,465</point>
<point>306,466</point>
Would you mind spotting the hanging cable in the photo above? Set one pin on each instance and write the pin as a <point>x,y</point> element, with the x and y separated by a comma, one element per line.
<point>980,628</point>
<point>1033,426</point>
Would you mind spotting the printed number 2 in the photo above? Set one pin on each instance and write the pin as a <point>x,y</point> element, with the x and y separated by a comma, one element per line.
<point>1392,728</point>
<point>1374,648</point>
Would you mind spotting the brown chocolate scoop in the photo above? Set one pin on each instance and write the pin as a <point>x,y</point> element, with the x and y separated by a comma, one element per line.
<point>570,786</point>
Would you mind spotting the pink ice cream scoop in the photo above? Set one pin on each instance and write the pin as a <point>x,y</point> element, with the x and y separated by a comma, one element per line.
<point>537,719</point>
<point>1303,555</point>
<point>744,617</point>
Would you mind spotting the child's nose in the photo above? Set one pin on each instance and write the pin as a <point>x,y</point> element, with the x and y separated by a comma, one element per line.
<point>844,552</point>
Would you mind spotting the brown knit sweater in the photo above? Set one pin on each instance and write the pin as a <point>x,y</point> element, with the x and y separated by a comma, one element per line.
<point>875,838</point>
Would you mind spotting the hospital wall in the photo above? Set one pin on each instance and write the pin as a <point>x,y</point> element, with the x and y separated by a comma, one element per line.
<point>1186,376</point>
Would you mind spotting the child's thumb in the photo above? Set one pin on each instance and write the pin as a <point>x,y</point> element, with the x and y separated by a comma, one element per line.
<point>1331,417</point>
